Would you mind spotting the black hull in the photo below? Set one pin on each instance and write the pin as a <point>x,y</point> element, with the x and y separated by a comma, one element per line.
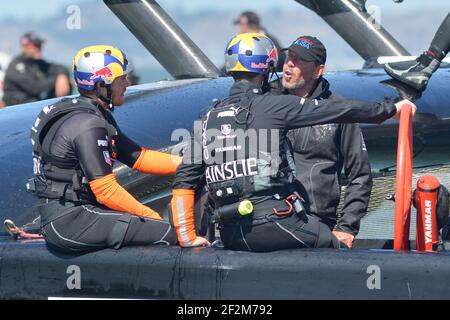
<point>31,271</point>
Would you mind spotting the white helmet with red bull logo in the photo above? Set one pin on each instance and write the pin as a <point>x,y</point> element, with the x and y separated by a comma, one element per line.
<point>250,52</point>
<point>99,63</point>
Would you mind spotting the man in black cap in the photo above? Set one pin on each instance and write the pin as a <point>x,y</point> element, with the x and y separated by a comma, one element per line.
<point>322,151</point>
<point>249,21</point>
<point>30,78</point>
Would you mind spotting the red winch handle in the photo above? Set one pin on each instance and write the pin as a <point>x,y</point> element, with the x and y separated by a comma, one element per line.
<point>403,185</point>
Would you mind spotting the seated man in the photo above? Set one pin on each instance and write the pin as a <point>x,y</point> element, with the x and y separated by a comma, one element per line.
<point>75,143</point>
<point>322,151</point>
<point>240,149</point>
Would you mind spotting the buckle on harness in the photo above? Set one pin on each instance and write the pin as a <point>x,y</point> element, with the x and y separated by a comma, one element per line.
<point>31,185</point>
<point>294,203</point>
<point>287,212</point>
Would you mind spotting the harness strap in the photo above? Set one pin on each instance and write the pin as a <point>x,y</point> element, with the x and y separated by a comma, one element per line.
<point>48,139</point>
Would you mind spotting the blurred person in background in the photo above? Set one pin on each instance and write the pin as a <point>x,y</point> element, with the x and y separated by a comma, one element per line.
<point>250,22</point>
<point>5,59</point>
<point>30,78</point>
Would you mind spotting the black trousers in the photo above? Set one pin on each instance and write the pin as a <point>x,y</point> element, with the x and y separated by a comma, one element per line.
<point>441,42</point>
<point>267,232</point>
<point>88,227</point>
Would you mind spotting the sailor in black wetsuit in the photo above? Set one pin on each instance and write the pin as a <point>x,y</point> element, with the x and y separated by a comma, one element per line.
<point>75,143</point>
<point>240,149</point>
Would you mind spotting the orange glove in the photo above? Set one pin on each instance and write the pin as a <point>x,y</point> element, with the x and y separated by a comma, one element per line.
<point>183,215</point>
<point>155,162</point>
<point>109,192</point>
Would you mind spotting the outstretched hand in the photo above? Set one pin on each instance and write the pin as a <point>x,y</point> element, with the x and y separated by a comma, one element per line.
<point>344,237</point>
<point>198,242</point>
<point>401,104</point>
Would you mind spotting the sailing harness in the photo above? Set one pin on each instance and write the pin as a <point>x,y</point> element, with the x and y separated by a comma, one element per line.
<point>58,178</point>
<point>238,169</point>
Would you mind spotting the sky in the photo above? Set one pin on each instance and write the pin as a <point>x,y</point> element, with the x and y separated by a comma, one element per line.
<point>412,22</point>
<point>32,9</point>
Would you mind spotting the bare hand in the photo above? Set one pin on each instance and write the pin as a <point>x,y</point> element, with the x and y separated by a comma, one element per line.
<point>198,242</point>
<point>344,237</point>
<point>62,85</point>
<point>399,105</point>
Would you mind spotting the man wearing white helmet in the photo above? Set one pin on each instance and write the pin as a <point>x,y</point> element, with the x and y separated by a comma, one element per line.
<point>75,143</point>
<point>239,148</point>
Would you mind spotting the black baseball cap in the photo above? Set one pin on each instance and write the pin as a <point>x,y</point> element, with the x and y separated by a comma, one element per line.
<point>309,49</point>
<point>31,37</point>
<point>252,18</point>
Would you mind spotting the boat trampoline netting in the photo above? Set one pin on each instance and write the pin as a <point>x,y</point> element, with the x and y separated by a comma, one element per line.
<point>379,221</point>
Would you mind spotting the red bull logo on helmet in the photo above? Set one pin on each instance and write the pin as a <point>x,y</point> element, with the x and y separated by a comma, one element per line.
<point>259,65</point>
<point>85,82</point>
<point>272,55</point>
<point>103,73</point>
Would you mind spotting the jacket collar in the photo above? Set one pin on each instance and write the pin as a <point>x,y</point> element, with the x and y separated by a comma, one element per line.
<point>322,90</point>
<point>94,103</point>
<point>242,87</point>
<point>88,100</point>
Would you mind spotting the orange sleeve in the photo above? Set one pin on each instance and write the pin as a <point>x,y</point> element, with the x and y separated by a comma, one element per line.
<point>183,215</point>
<point>109,192</point>
<point>155,162</point>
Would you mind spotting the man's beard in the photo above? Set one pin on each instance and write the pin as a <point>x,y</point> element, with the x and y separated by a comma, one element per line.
<point>293,86</point>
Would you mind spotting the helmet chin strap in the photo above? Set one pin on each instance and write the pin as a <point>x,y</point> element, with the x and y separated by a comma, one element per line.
<point>266,86</point>
<point>108,98</point>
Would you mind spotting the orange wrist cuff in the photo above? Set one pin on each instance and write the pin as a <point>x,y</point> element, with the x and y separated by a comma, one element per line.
<point>158,163</point>
<point>110,193</point>
<point>183,215</point>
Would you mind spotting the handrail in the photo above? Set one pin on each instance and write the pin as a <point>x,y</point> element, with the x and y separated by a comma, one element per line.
<point>403,184</point>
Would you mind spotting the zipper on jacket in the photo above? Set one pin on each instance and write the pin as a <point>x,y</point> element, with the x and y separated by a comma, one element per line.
<point>305,138</point>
